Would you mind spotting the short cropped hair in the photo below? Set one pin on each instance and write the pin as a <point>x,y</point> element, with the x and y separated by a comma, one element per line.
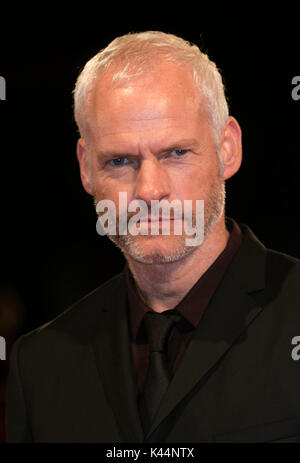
<point>136,53</point>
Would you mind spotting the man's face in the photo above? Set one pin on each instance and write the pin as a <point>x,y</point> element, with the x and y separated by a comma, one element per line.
<point>151,138</point>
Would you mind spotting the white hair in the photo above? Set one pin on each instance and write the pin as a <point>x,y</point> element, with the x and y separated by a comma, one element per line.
<point>135,53</point>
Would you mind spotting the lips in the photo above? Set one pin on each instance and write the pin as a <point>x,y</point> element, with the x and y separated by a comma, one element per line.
<point>161,219</point>
<point>157,221</point>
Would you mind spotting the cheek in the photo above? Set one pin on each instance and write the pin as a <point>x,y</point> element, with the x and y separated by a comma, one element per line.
<point>119,196</point>
<point>198,183</point>
<point>102,193</point>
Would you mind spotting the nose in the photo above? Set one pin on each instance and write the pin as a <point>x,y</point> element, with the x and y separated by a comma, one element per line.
<point>152,181</point>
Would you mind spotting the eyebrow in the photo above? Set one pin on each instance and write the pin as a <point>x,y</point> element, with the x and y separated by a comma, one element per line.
<point>180,144</point>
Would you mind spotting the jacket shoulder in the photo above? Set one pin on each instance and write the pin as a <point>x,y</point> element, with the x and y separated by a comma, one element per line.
<point>281,264</point>
<point>82,316</point>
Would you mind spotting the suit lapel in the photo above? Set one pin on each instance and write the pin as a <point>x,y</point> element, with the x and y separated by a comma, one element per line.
<point>229,313</point>
<point>113,356</point>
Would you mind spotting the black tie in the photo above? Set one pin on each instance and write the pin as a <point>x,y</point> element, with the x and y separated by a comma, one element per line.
<point>158,328</point>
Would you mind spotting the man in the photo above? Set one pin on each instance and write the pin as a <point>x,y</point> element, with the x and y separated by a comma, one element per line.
<point>154,125</point>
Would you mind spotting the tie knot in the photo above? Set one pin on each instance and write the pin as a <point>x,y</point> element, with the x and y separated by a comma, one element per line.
<point>158,328</point>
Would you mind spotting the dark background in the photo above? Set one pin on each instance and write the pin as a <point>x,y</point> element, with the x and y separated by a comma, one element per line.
<point>51,254</point>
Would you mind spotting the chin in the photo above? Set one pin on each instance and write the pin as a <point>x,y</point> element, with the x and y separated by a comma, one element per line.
<point>153,250</point>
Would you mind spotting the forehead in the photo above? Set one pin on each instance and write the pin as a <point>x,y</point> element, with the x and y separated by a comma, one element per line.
<point>163,98</point>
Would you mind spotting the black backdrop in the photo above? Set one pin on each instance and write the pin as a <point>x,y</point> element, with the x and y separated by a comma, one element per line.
<point>51,253</point>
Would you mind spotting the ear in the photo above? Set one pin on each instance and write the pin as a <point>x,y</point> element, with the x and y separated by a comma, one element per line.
<point>231,147</point>
<point>84,167</point>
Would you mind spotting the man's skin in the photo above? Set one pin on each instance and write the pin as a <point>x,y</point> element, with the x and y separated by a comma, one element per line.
<point>157,123</point>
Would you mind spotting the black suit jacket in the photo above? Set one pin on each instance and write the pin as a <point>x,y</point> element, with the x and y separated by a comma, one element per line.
<point>71,380</point>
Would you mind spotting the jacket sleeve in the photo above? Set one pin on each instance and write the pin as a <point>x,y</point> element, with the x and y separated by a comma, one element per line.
<point>17,424</point>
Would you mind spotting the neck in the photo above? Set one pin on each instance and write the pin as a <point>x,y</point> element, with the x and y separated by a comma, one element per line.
<point>163,286</point>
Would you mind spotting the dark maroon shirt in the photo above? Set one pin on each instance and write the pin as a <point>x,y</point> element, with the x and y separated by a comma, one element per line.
<point>191,307</point>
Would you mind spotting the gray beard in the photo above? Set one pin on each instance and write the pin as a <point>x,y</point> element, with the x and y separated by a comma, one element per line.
<point>134,247</point>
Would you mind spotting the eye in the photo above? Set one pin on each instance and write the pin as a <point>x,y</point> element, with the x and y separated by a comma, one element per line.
<point>178,153</point>
<point>117,162</point>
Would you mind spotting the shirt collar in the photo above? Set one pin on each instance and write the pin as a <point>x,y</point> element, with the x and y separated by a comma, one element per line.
<point>194,303</point>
